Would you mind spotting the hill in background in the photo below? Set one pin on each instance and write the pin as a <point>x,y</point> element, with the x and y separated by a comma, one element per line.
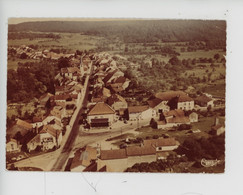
<point>139,31</point>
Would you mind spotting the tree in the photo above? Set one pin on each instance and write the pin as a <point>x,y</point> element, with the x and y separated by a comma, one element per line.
<point>216,56</point>
<point>23,56</point>
<point>24,148</point>
<point>63,62</point>
<point>174,61</point>
<point>173,103</point>
<point>184,127</point>
<point>18,136</point>
<point>153,124</point>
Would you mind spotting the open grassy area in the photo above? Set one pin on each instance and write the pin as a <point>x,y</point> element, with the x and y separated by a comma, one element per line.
<point>13,63</point>
<point>204,124</point>
<point>201,54</point>
<point>123,136</point>
<point>216,90</point>
<point>68,41</point>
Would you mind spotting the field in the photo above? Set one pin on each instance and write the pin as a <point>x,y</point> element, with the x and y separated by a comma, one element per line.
<point>138,53</point>
<point>201,54</point>
<point>68,41</point>
<point>13,63</point>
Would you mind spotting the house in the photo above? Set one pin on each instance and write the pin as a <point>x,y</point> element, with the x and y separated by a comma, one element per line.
<point>61,100</point>
<point>162,144</point>
<point>112,74</point>
<point>47,138</point>
<point>115,160</point>
<point>100,94</point>
<point>119,160</point>
<point>121,81</point>
<point>58,112</point>
<point>71,72</point>
<point>109,76</point>
<point>176,100</point>
<point>204,101</point>
<point>44,100</point>
<point>101,115</point>
<point>12,145</point>
<point>217,128</point>
<point>37,121</point>
<point>116,87</point>
<point>193,117</point>
<point>50,118</point>
<point>158,105</point>
<point>176,116</point>
<point>173,118</point>
<point>140,154</point>
<point>19,126</point>
<point>60,90</point>
<point>116,102</point>
<point>140,112</point>
<point>83,158</point>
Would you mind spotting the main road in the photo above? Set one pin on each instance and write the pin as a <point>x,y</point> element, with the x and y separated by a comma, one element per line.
<point>68,145</point>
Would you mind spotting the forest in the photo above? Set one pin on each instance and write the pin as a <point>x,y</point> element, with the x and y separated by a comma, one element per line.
<point>30,80</point>
<point>136,31</point>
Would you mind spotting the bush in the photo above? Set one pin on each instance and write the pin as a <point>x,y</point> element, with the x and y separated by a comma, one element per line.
<point>139,140</point>
<point>38,149</point>
<point>155,136</point>
<point>184,127</point>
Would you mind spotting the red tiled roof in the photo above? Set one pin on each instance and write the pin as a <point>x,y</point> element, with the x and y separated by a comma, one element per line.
<point>84,157</point>
<point>12,140</point>
<point>182,119</point>
<point>137,109</point>
<point>65,96</point>
<point>109,75</point>
<point>216,127</point>
<point>140,151</point>
<point>176,116</point>
<point>49,129</point>
<point>160,142</point>
<point>46,96</point>
<point>37,119</point>
<point>115,98</point>
<point>113,154</point>
<point>166,96</point>
<point>101,108</point>
<point>120,79</point>
<point>70,70</point>
<point>203,98</point>
<point>23,124</point>
<point>154,102</point>
<point>176,113</point>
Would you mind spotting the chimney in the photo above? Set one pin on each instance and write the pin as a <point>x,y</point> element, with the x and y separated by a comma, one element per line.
<point>216,121</point>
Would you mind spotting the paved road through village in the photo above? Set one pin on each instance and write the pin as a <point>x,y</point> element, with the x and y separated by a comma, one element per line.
<point>67,148</point>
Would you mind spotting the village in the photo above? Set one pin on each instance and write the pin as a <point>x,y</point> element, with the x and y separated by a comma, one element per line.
<point>96,84</point>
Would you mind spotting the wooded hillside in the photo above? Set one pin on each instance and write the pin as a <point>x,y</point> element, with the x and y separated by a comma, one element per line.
<point>135,30</point>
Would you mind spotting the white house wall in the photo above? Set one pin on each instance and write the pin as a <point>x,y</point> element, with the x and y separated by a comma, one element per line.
<point>111,117</point>
<point>185,105</point>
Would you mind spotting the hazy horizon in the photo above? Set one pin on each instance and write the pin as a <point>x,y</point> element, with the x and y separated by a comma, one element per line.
<point>21,20</point>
